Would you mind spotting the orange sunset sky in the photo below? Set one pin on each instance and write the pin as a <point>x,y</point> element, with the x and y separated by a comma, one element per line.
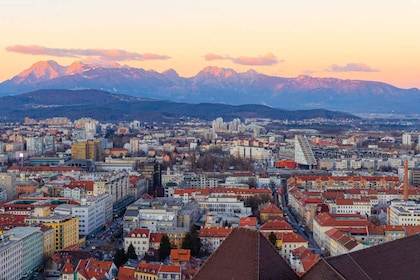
<point>349,39</point>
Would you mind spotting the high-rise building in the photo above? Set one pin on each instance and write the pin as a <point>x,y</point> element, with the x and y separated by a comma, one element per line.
<point>134,146</point>
<point>8,183</point>
<point>304,155</point>
<point>90,149</point>
<point>34,146</point>
<point>406,139</point>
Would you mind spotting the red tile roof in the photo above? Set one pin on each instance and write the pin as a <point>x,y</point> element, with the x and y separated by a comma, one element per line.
<point>248,221</point>
<point>276,225</point>
<point>180,255</point>
<point>271,209</point>
<point>170,269</point>
<point>126,273</point>
<point>215,232</point>
<point>156,237</point>
<point>138,231</point>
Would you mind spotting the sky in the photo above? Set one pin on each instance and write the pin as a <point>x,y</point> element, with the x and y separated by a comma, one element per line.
<point>348,39</point>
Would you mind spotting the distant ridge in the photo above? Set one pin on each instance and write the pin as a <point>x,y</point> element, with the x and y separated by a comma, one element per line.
<point>219,85</point>
<point>106,106</point>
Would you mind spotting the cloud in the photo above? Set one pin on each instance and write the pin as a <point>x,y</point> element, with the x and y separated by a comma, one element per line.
<point>268,59</point>
<point>351,67</point>
<point>101,54</point>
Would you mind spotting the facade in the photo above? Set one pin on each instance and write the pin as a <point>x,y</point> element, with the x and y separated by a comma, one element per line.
<point>352,206</point>
<point>404,213</point>
<point>140,239</point>
<point>116,184</point>
<point>270,212</point>
<point>65,227</point>
<point>93,213</point>
<point>32,246</point>
<point>303,152</point>
<point>90,149</point>
<point>11,258</point>
<point>26,187</point>
<point>349,222</point>
<point>158,219</point>
<point>228,205</point>
<point>211,238</point>
<point>338,243</point>
<point>406,139</point>
<point>8,183</point>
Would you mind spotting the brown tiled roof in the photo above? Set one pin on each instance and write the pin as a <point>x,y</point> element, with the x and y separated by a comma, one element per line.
<point>271,209</point>
<point>245,254</point>
<point>397,259</point>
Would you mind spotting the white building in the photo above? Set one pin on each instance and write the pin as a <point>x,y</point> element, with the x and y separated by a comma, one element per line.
<point>32,240</point>
<point>11,258</point>
<point>352,206</point>
<point>228,205</point>
<point>93,213</point>
<point>303,151</point>
<point>404,213</point>
<point>140,238</point>
<point>247,152</point>
<point>157,219</point>
<point>116,184</point>
<point>406,139</point>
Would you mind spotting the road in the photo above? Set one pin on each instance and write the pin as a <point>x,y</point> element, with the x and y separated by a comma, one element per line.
<point>300,228</point>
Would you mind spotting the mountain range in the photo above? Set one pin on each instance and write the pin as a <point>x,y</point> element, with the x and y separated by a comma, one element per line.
<point>219,85</point>
<point>104,106</point>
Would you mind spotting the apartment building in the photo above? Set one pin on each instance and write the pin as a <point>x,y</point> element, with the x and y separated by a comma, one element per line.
<point>11,258</point>
<point>65,227</point>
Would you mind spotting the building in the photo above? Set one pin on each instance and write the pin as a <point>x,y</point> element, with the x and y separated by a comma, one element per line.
<point>140,239</point>
<point>116,184</point>
<point>338,243</point>
<point>180,256</point>
<point>352,206</point>
<point>93,213</point>
<point>406,139</point>
<point>90,149</point>
<point>212,237</point>
<point>302,259</point>
<point>228,205</point>
<point>304,155</point>
<point>26,187</point>
<point>398,259</point>
<point>353,223</point>
<point>8,183</point>
<point>257,257</point>
<point>65,227</point>
<point>11,258</point>
<point>270,212</point>
<point>405,213</point>
<point>32,246</point>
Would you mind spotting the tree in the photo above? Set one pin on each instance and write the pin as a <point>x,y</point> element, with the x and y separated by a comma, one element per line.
<point>131,253</point>
<point>192,241</point>
<point>119,258</point>
<point>164,248</point>
<point>273,239</point>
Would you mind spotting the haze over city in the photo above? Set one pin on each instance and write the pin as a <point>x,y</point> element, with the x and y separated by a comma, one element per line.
<point>367,40</point>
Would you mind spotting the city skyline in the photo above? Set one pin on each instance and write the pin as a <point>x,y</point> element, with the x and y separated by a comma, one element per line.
<point>375,40</point>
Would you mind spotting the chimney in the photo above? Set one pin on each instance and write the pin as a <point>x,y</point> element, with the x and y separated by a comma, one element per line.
<point>406,180</point>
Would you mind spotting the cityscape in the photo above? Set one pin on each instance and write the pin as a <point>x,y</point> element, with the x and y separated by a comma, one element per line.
<point>78,195</point>
<point>194,140</point>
